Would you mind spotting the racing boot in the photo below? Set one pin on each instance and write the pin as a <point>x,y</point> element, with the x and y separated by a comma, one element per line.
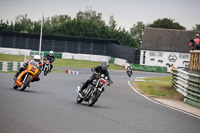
<point>78,91</point>
<point>15,76</point>
<point>29,85</point>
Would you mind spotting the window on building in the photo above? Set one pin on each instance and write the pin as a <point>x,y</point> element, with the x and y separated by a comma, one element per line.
<point>154,53</point>
<point>184,56</point>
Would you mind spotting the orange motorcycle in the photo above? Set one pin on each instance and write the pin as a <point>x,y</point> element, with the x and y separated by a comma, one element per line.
<point>26,76</point>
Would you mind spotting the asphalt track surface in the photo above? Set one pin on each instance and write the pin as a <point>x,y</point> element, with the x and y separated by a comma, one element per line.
<point>49,106</point>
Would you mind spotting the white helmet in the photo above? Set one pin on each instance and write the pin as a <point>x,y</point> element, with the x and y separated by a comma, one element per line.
<point>51,53</point>
<point>36,58</point>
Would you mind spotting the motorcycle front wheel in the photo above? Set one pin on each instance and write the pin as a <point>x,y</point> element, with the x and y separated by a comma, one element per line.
<point>45,71</point>
<point>25,84</point>
<point>93,99</point>
<point>15,86</point>
<point>79,99</point>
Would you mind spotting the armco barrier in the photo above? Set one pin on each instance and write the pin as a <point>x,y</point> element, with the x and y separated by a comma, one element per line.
<point>14,51</point>
<point>87,57</point>
<point>187,84</point>
<point>56,54</point>
<point>10,66</point>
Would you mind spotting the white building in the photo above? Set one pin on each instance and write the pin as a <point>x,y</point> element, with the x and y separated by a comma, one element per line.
<point>164,47</point>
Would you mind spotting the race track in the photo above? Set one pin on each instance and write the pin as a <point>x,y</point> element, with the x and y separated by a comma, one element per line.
<point>49,106</point>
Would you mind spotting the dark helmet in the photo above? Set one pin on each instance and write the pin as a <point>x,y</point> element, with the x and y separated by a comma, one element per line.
<point>191,40</point>
<point>104,65</point>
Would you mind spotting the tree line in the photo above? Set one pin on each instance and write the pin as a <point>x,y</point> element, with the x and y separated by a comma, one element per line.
<point>87,24</point>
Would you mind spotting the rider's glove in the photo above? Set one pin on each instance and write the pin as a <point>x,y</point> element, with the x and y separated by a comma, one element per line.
<point>95,73</point>
<point>25,65</point>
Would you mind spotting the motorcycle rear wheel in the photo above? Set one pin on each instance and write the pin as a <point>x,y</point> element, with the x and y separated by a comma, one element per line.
<point>45,71</point>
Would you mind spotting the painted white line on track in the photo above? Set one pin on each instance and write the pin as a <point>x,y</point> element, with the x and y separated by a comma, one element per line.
<point>162,103</point>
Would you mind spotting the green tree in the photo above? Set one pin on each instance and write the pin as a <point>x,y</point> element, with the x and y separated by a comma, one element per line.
<point>87,24</point>
<point>36,27</point>
<point>112,23</point>
<point>4,26</point>
<point>137,30</point>
<point>167,24</point>
<point>197,27</point>
<point>23,24</point>
<point>54,26</point>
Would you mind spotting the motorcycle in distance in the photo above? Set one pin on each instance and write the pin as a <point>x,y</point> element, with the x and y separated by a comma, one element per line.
<point>47,66</point>
<point>93,90</point>
<point>26,76</point>
<point>129,73</point>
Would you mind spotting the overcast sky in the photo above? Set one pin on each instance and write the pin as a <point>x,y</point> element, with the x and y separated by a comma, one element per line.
<point>125,12</point>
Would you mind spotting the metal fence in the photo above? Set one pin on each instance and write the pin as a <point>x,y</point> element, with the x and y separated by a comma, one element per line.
<point>70,44</point>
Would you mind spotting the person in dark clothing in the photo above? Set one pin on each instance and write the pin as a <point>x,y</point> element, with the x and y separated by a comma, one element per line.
<point>103,69</point>
<point>36,59</point>
<point>194,45</point>
<point>129,69</point>
<point>50,57</point>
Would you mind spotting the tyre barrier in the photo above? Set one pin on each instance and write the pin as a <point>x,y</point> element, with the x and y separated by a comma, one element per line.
<point>188,84</point>
<point>10,66</point>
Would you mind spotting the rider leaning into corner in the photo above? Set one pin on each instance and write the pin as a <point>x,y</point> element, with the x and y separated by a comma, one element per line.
<point>103,69</point>
<point>129,69</point>
<point>50,57</point>
<point>36,59</point>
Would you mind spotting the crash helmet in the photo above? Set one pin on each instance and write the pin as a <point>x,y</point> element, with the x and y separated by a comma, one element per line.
<point>36,58</point>
<point>104,65</point>
<point>129,68</point>
<point>51,53</point>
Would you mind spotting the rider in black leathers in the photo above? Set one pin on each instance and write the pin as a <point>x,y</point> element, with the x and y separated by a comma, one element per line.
<point>129,69</point>
<point>103,69</point>
<point>50,57</point>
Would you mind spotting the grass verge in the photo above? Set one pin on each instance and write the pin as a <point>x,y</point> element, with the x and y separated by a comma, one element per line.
<point>11,58</point>
<point>61,62</point>
<point>157,87</point>
<point>81,64</point>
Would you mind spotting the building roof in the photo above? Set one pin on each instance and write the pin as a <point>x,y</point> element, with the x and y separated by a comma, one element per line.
<point>167,40</point>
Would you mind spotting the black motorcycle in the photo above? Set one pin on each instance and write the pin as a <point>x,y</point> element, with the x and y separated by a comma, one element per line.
<point>129,73</point>
<point>93,90</point>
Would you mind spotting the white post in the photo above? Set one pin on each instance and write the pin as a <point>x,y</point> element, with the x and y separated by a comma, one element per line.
<point>25,58</point>
<point>41,34</point>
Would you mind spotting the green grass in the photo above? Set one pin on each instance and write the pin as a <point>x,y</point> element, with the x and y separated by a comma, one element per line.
<point>16,58</point>
<point>159,87</point>
<point>81,64</point>
<point>61,62</point>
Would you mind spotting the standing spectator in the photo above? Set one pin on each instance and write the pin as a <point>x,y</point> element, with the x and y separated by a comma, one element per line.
<point>194,45</point>
<point>172,66</point>
<point>197,39</point>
